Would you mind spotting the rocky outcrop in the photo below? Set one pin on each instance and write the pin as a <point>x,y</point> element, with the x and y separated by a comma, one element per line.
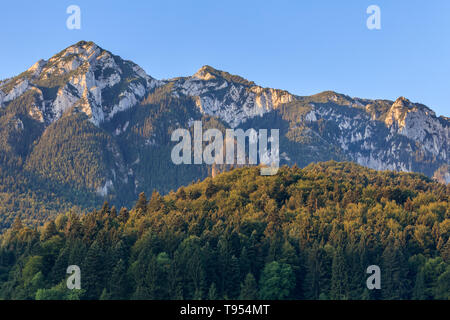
<point>381,134</point>
<point>86,78</point>
<point>231,98</point>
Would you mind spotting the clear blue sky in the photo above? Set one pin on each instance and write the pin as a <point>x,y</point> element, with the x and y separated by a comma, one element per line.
<point>302,46</point>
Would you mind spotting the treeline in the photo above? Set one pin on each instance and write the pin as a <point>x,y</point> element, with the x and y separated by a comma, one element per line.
<point>301,234</point>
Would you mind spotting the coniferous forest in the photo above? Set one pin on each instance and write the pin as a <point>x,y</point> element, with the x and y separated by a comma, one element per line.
<point>301,234</point>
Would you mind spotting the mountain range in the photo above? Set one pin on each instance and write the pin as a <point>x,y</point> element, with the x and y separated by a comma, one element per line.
<point>87,126</point>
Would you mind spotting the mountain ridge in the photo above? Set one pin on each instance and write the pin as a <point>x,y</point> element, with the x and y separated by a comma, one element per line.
<point>205,73</point>
<point>91,121</point>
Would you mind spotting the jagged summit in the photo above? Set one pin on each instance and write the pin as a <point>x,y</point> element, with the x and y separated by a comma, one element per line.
<point>44,128</point>
<point>403,104</point>
<point>402,109</point>
<point>81,49</point>
<point>82,77</point>
<point>206,73</point>
<point>230,97</point>
<point>381,134</point>
<point>86,77</point>
<point>403,100</point>
<point>67,60</point>
<point>209,73</point>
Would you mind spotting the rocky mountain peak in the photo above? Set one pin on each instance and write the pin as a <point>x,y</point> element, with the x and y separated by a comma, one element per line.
<point>36,68</point>
<point>73,57</point>
<point>381,134</point>
<point>402,103</point>
<point>229,97</point>
<point>402,109</point>
<point>82,77</point>
<point>208,73</point>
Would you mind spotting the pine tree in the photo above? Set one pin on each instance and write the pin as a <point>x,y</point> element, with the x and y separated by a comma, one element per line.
<point>317,272</point>
<point>244,262</point>
<point>123,215</point>
<point>442,289</point>
<point>49,230</point>
<point>249,289</point>
<point>141,204</point>
<point>339,276</point>
<point>394,271</point>
<point>273,219</point>
<point>92,272</point>
<point>58,271</point>
<point>419,287</point>
<point>277,281</point>
<point>233,279</point>
<point>156,202</point>
<point>118,282</point>
<point>210,189</point>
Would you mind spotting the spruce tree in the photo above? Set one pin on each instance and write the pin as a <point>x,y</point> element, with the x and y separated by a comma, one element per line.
<point>339,276</point>
<point>249,289</point>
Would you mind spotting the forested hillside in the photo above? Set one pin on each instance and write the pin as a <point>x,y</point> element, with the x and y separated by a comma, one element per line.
<point>86,126</point>
<point>301,234</point>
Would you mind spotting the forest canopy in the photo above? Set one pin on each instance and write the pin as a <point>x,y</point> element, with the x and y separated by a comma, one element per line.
<point>301,234</point>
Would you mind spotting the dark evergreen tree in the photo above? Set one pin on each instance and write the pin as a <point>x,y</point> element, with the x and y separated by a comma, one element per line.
<point>141,204</point>
<point>339,276</point>
<point>394,272</point>
<point>92,272</point>
<point>249,289</point>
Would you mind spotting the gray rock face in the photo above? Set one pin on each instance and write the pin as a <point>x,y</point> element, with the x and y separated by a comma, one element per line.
<point>395,135</point>
<point>410,138</point>
<point>383,135</point>
<point>84,77</point>
<point>232,100</point>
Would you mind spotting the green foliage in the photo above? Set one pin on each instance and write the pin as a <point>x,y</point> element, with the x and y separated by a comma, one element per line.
<point>249,289</point>
<point>59,292</point>
<point>277,281</point>
<point>300,234</point>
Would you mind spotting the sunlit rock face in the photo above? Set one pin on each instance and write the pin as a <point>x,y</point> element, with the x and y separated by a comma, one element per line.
<point>83,77</point>
<point>381,134</point>
<point>231,98</point>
